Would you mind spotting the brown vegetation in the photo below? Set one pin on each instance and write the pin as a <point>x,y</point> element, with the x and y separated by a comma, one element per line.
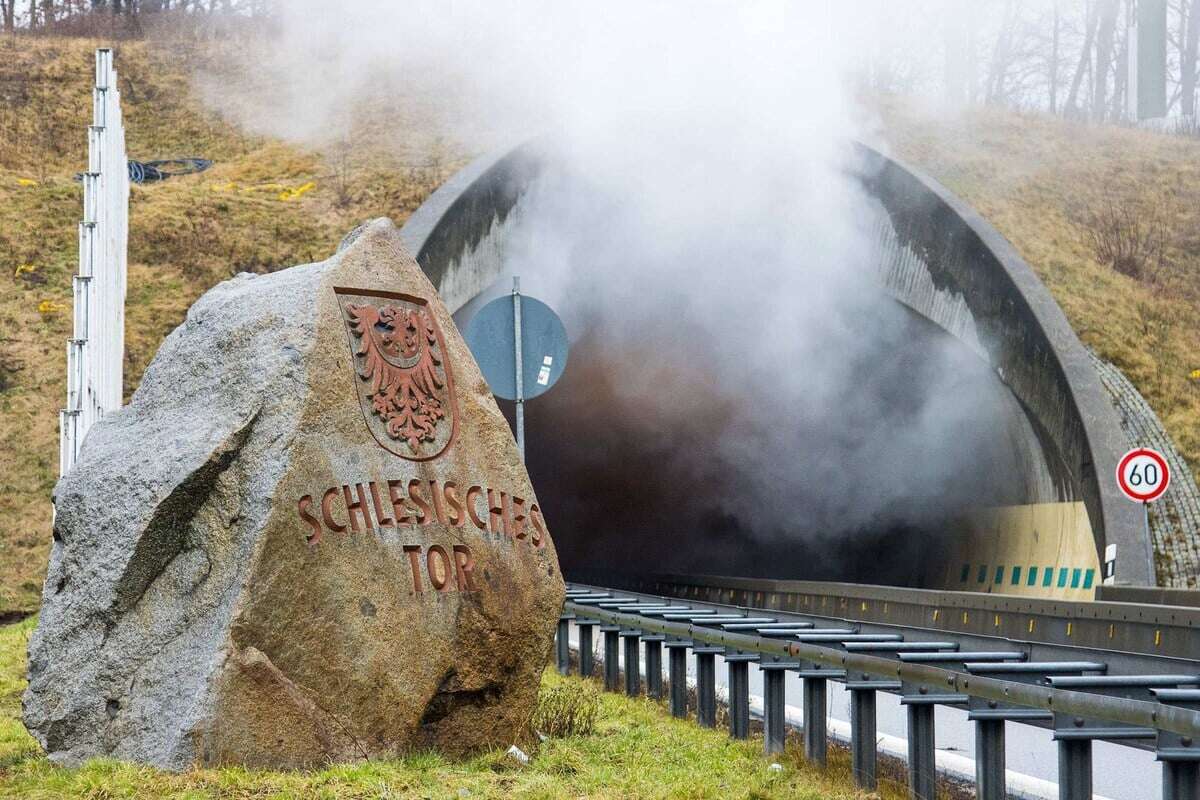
<point>1128,277</point>
<point>186,234</point>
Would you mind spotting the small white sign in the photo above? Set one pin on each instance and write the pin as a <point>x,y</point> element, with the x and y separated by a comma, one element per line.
<point>543,376</point>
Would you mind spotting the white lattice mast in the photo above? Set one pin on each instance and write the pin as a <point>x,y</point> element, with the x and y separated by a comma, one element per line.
<point>95,353</point>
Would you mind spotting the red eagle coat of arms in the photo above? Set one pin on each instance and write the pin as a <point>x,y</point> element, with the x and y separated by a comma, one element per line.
<point>404,384</point>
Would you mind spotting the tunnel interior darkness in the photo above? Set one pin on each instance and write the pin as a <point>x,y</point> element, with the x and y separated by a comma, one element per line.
<point>654,454</point>
<point>744,394</point>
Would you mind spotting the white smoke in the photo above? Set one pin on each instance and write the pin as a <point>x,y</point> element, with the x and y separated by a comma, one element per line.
<point>701,224</point>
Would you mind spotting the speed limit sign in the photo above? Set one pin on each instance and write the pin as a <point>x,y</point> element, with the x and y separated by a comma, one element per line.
<point>1143,475</point>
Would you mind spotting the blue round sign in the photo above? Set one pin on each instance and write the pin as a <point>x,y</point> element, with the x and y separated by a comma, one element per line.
<point>491,336</point>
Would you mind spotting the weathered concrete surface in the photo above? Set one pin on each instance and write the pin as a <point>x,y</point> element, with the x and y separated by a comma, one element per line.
<point>196,610</point>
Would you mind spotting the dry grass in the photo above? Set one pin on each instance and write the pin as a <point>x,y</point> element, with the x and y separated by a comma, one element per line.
<point>1038,180</point>
<point>186,234</point>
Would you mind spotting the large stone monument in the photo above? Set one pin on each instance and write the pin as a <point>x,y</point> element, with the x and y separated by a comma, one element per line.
<point>308,538</point>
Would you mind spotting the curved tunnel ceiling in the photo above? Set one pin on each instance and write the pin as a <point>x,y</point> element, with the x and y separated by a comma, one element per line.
<point>942,261</point>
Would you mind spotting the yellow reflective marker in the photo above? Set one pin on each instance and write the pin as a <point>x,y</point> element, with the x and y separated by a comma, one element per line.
<point>292,194</point>
<point>24,268</point>
<point>1196,374</point>
<point>1068,629</point>
<point>50,307</point>
<point>32,182</point>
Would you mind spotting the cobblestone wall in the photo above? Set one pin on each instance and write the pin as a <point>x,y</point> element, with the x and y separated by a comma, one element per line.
<point>1175,518</point>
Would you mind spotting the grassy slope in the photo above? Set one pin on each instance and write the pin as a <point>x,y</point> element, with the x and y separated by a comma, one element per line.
<point>636,751</point>
<point>186,234</point>
<point>1034,178</point>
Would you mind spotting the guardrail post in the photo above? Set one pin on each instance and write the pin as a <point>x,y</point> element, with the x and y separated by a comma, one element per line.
<point>989,760</point>
<point>678,676</point>
<point>1074,769</point>
<point>774,704</point>
<point>612,663</point>
<point>739,693</point>
<point>706,684</point>
<point>863,738</point>
<point>562,642</point>
<point>1179,754</point>
<point>922,767</point>
<point>586,654</point>
<point>1181,780</point>
<point>633,667</point>
<point>654,678</point>
<point>816,742</point>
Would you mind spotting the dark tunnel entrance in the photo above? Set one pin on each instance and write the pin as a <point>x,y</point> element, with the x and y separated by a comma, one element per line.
<point>828,389</point>
<point>647,459</point>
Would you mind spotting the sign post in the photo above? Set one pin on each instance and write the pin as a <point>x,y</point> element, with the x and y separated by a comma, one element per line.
<point>521,347</point>
<point>1143,476</point>
<point>520,378</point>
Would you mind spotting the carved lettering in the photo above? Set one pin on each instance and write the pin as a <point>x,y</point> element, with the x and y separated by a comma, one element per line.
<point>414,494</point>
<point>436,496</point>
<point>495,512</point>
<point>457,516</point>
<point>473,495</point>
<point>414,551</point>
<point>518,518</point>
<point>327,510</point>
<point>380,517</point>
<point>439,568</point>
<point>465,564</point>
<point>309,519</point>
<point>396,495</point>
<point>539,527</point>
<point>358,510</point>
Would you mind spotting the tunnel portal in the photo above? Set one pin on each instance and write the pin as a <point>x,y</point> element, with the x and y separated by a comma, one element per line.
<point>949,452</point>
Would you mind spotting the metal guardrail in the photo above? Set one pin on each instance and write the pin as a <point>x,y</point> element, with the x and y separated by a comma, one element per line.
<point>1082,695</point>
<point>1114,626</point>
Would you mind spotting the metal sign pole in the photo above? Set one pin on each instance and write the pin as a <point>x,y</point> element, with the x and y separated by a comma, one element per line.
<point>516,293</point>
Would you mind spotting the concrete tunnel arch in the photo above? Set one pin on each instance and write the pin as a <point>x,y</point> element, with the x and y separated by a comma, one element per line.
<point>1012,320</point>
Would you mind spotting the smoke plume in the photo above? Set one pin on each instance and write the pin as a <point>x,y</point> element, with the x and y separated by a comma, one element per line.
<point>741,396</point>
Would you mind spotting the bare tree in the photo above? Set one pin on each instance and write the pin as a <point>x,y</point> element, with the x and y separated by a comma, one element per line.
<point>1085,58</point>
<point>1056,26</point>
<point>1105,35</point>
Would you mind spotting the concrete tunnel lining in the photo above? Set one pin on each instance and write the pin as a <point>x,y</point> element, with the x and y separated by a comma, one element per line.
<point>1030,344</point>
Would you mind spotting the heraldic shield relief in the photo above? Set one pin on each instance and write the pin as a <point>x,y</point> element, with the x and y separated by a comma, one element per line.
<point>404,384</point>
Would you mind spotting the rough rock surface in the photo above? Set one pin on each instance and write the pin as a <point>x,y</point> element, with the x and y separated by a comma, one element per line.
<point>201,605</point>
